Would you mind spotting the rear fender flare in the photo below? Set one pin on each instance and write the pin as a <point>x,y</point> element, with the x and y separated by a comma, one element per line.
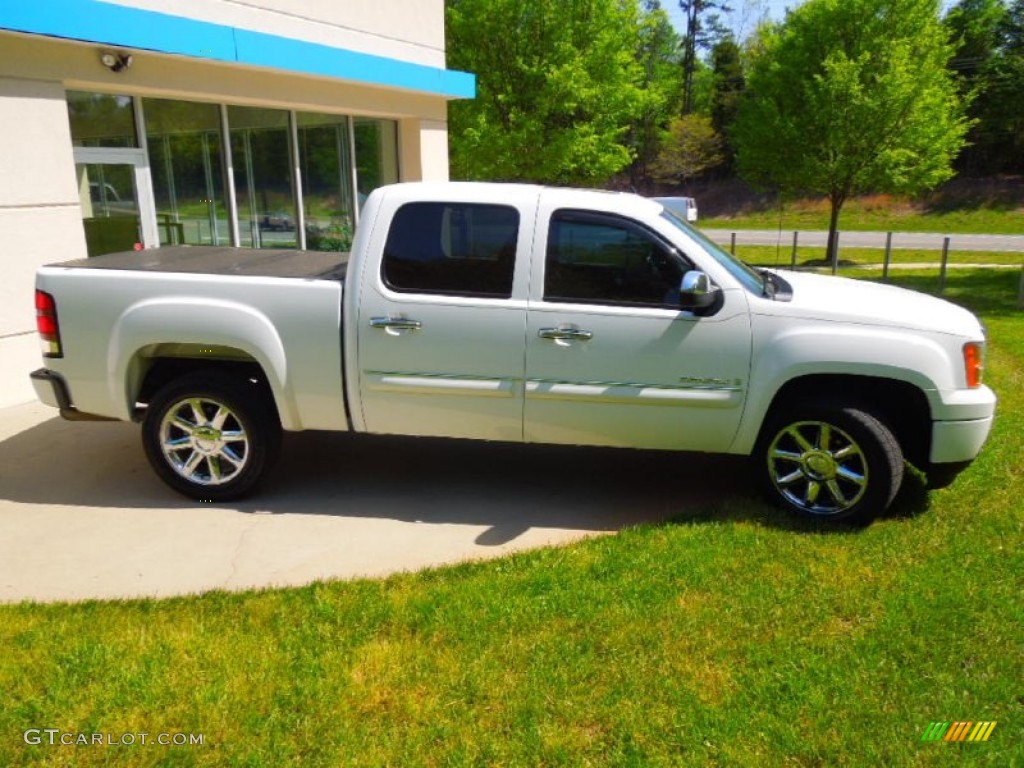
<point>187,320</point>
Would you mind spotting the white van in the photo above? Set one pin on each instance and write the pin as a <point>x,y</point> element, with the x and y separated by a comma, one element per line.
<point>684,206</point>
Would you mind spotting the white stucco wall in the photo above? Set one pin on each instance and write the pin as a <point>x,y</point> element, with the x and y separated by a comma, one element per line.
<point>39,216</point>
<point>399,29</point>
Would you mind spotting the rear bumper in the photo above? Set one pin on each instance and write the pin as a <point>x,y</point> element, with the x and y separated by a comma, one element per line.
<point>52,390</point>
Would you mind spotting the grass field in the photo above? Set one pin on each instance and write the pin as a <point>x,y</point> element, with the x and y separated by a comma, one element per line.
<point>880,213</point>
<point>732,636</point>
<point>770,255</point>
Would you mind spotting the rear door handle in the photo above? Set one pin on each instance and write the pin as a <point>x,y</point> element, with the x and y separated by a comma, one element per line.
<point>395,323</point>
<point>564,333</point>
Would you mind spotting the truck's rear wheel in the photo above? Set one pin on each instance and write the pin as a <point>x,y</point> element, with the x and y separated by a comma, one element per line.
<point>210,436</point>
<point>831,463</point>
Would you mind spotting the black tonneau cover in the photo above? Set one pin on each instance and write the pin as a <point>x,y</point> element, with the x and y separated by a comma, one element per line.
<point>216,260</point>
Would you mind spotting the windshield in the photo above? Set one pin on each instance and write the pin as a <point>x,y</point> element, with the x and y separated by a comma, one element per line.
<point>752,280</point>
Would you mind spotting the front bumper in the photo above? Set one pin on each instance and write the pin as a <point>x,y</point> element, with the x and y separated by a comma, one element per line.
<point>956,441</point>
<point>962,429</point>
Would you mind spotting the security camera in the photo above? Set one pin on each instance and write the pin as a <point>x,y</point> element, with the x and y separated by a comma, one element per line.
<point>115,62</point>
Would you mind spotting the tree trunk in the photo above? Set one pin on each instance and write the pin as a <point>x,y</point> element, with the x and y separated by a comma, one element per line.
<point>832,251</point>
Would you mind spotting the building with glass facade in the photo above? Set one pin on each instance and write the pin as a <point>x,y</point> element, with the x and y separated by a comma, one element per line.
<point>258,123</point>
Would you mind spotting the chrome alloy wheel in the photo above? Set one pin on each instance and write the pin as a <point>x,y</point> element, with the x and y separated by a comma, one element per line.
<point>204,441</point>
<point>817,467</point>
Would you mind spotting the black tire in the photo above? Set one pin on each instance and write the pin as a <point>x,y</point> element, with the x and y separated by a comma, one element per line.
<point>830,462</point>
<point>226,439</point>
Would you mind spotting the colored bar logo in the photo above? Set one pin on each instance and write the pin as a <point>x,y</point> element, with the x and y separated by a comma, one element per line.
<point>960,731</point>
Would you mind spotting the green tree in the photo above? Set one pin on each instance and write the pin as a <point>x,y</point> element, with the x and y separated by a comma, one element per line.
<point>691,148</point>
<point>559,85</point>
<point>1009,87</point>
<point>703,28</point>
<point>728,84</point>
<point>848,96</point>
<point>975,27</point>
<point>658,56</point>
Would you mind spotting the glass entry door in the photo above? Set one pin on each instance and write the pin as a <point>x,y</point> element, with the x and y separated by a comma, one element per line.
<point>116,198</point>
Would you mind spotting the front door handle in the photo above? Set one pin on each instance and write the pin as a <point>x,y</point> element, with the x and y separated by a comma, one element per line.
<point>395,323</point>
<point>565,333</point>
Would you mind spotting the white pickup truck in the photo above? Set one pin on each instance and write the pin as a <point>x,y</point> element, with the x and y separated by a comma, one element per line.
<point>523,314</point>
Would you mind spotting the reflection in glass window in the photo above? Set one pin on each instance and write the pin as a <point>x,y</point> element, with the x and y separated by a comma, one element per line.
<point>263,177</point>
<point>604,259</point>
<point>110,212</point>
<point>183,139</point>
<point>101,120</point>
<point>325,162</point>
<point>376,154</point>
<point>456,249</point>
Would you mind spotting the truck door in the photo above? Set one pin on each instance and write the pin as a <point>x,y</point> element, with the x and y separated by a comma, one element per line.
<point>442,320</point>
<point>610,357</point>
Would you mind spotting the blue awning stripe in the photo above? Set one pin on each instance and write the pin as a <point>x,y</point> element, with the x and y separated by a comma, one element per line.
<point>119,26</point>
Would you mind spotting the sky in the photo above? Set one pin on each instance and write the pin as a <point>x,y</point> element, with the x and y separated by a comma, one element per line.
<point>747,13</point>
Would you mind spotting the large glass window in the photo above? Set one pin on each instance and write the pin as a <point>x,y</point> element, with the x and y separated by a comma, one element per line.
<point>183,139</point>
<point>376,154</point>
<point>101,120</point>
<point>452,248</point>
<point>261,156</point>
<point>341,160</point>
<point>603,259</point>
<point>325,162</point>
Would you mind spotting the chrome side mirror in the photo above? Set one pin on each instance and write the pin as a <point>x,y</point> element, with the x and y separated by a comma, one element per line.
<point>697,291</point>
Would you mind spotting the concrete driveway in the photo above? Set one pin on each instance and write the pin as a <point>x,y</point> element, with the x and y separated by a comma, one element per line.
<point>83,516</point>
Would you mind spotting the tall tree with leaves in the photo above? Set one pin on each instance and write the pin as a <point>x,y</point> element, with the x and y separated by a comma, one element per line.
<point>558,87</point>
<point>1008,86</point>
<point>975,27</point>
<point>728,84</point>
<point>703,28</point>
<point>849,96</point>
<point>658,56</point>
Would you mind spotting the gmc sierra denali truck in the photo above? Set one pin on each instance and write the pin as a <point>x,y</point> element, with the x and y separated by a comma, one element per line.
<point>524,314</point>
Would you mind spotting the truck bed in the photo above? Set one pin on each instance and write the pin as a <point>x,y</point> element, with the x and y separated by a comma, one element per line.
<point>219,260</point>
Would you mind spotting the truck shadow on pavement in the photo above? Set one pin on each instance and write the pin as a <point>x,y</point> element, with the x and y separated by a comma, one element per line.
<point>506,488</point>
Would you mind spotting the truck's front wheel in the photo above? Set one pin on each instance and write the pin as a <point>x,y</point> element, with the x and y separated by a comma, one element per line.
<point>831,463</point>
<point>211,436</point>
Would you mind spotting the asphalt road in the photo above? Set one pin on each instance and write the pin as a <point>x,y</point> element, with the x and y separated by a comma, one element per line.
<point>903,240</point>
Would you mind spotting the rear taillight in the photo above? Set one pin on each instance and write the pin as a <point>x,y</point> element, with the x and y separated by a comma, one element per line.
<point>974,363</point>
<point>46,324</point>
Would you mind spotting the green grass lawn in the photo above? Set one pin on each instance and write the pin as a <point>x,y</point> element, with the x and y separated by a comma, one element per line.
<point>729,637</point>
<point>770,255</point>
<point>879,213</point>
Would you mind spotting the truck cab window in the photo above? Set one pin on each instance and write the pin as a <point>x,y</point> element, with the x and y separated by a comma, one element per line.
<point>605,259</point>
<point>457,249</point>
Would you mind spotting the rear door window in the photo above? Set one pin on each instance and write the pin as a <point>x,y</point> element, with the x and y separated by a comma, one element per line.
<point>455,249</point>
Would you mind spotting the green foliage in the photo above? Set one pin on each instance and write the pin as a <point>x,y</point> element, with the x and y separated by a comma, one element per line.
<point>691,148</point>
<point>703,29</point>
<point>559,87</point>
<point>336,236</point>
<point>728,85</point>
<point>848,96</point>
<point>990,61</point>
<point>658,57</point>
